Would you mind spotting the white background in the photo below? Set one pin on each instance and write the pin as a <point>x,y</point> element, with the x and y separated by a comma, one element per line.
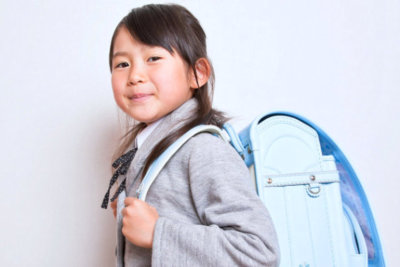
<point>334,62</point>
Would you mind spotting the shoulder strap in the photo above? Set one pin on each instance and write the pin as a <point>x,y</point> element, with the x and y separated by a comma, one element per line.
<point>160,162</point>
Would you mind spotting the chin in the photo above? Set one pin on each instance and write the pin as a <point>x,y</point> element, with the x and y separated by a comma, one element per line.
<point>145,120</point>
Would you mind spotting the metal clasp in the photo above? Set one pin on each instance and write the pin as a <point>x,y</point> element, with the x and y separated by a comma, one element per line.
<point>313,188</point>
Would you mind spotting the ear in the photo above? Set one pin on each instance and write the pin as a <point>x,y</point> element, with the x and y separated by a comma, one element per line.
<point>203,72</point>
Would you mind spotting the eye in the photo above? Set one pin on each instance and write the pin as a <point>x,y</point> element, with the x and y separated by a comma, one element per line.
<point>153,59</point>
<point>122,65</point>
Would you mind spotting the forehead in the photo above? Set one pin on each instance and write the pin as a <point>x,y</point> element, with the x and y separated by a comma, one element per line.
<point>124,40</point>
<point>125,43</point>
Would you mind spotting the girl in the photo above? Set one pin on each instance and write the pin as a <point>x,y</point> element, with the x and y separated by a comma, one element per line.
<point>201,210</point>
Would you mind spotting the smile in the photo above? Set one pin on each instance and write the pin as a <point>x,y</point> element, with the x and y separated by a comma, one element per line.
<point>139,97</point>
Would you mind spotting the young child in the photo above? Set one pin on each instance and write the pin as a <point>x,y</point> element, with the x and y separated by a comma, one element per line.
<point>202,209</point>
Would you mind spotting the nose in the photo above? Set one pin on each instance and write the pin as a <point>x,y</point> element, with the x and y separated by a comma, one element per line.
<point>137,74</point>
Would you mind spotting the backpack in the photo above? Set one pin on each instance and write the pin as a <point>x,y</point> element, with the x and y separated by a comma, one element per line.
<point>316,202</point>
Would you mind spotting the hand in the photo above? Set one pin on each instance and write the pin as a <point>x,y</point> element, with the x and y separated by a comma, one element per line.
<point>139,221</point>
<point>114,207</point>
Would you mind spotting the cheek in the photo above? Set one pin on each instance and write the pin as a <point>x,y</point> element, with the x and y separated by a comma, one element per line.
<point>116,85</point>
<point>180,78</point>
<point>117,91</point>
<point>176,74</point>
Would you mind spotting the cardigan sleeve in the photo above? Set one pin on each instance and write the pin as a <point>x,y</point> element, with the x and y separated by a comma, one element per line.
<point>235,229</point>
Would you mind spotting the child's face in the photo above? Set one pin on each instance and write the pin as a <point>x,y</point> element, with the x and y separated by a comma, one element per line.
<point>148,82</point>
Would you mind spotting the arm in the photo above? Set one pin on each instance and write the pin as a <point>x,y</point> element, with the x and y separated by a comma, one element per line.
<point>236,228</point>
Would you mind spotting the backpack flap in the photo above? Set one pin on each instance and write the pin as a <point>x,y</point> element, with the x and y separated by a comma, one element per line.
<point>301,190</point>
<point>354,199</point>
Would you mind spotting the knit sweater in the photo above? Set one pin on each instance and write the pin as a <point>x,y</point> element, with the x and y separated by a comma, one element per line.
<point>209,212</point>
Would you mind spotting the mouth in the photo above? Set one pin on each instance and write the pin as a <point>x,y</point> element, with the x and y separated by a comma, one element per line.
<point>139,97</point>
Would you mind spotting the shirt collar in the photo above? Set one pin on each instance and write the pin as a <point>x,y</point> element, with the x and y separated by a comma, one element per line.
<point>142,136</point>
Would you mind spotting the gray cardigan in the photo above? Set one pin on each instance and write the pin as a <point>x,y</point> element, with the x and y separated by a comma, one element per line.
<point>209,212</point>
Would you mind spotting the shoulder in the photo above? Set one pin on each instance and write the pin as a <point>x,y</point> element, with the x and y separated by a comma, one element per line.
<point>212,147</point>
<point>208,140</point>
<point>209,154</point>
<point>206,157</point>
<point>217,172</point>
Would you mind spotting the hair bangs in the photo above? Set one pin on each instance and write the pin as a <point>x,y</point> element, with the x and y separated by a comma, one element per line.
<point>152,26</point>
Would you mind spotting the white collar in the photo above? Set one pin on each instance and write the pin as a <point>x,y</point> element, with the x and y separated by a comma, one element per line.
<point>142,136</point>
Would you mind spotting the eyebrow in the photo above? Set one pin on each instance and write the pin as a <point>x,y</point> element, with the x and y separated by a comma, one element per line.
<point>119,53</point>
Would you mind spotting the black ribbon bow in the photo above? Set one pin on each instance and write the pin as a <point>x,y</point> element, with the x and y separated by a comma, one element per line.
<point>122,163</point>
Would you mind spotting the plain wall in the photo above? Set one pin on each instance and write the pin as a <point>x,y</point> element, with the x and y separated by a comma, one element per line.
<point>334,62</point>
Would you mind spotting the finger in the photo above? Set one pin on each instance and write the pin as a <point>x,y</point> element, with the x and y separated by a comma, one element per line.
<point>129,201</point>
<point>123,212</point>
<point>114,203</point>
<point>123,230</point>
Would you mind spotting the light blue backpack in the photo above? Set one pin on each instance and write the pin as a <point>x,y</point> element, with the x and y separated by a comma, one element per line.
<point>319,209</point>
